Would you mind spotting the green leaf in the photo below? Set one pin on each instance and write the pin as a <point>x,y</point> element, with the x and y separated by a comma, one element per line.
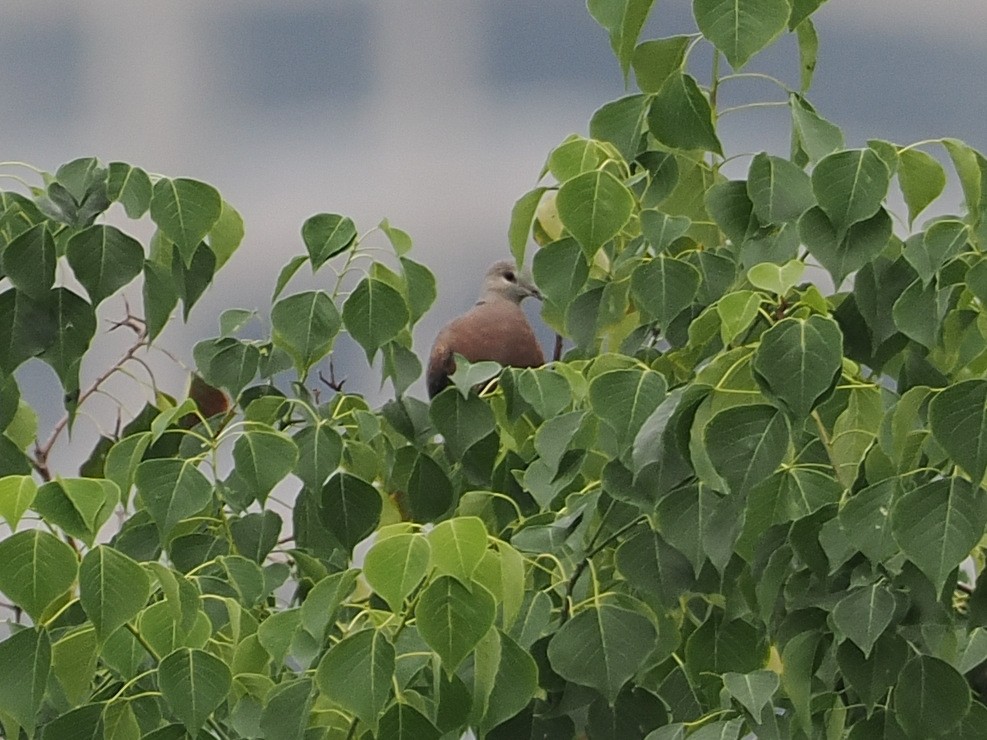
<point>256,534</point>
<point>357,673</point>
<point>172,490</point>
<point>194,684</point>
<point>812,133</point>
<point>131,187</point>
<point>104,259</point>
<point>574,156</point>
<point>664,287</point>
<point>798,361</point>
<point>185,210</point>
<point>160,297</point>
<point>865,521</point>
<point>850,186</point>
<point>319,609</point>
<point>192,280</point>
<point>420,292</point>
<point>22,690</point>
<point>514,682</point>
<point>842,255</point>
<point>864,614</point>
<point>227,363</point>
<point>958,420</point>
<point>594,207</point>
<point>75,323</point>
<point>404,722</point>
<point>927,252</point>
<point>808,41</point>
<point>621,123</point>
<point>930,698</point>
<point>661,230</point>
<point>656,60</point>
<point>922,180</point>
<point>452,618</point>
<point>937,525</point>
<point>112,589</point>
<point>287,272</point>
<point>326,235</point>
<point>80,506</point>
<point>461,421</point>
<point>38,568</point>
<point>28,329</point>
<point>778,189</point>
<point>601,647</point>
<point>350,508</point>
<point>458,546</point>
<point>560,270</point>
<point>737,311</point>
<point>624,20</point>
<point>277,632</point>
<point>430,492</point>
<point>395,566</point>
<point>777,279</point>
<point>753,690</point>
<point>286,711</point>
<point>966,162</point>
<point>872,677</point>
<point>854,432</point>
<point>320,450</point>
<point>746,444</point>
<point>29,261</point>
<point>305,326</point>
<point>400,240</point>
<point>16,496</point>
<point>741,28</point>
<point>263,457</point>
<point>522,217</point>
<point>680,116</point>
<point>374,314</point>
<point>625,398</point>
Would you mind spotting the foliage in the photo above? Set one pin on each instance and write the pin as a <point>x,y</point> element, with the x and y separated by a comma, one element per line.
<point>739,504</point>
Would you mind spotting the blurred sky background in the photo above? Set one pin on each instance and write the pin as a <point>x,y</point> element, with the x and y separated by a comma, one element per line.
<point>436,114</point>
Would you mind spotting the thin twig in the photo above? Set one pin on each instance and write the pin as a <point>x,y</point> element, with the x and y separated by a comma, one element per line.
<point>42,451</point>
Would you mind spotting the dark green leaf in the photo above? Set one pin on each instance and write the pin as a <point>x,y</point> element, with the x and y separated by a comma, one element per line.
<point>130,186</point>
<point>305,326</point>
<point>930,698</point>
<point>374,314</point>
<point>850,186</point>
<point>741,28</point>
<point>172,490</point>
<point>601,646</point>
<point>779,191</point>
<point>842,255</point>
<point>185,210</point>
<point>938,524</point>
<point>798,360</point>
<point>664,287</point>
<point>658,59</point>
<point>193,683</point>
<point>863,615</point>
<point>38,568</point>
<point>958,420</point>
<point>320,450</point>
<point>29,261</point>
<point>104,259</point>
<point>27,658</point>
<point>594,207</point>
<point>112,589</point>
<point>326,235</point>
<point>350,508</point>
<point>680,116</point>
<point>452,618</point>
<point>461,421</point>
<point>746,444</point>
<point>263,456</point>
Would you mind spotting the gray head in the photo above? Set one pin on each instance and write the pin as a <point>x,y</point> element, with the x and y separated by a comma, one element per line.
<point>504,280</point>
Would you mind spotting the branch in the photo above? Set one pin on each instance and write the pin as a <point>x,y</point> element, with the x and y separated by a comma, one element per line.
<point>42,451</point>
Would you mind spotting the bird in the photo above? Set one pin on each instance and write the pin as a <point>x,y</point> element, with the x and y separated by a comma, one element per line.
<point>494,329</point>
